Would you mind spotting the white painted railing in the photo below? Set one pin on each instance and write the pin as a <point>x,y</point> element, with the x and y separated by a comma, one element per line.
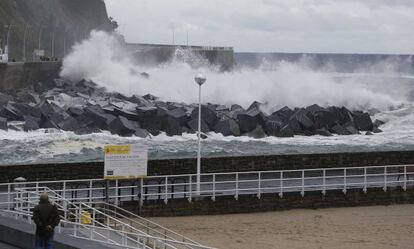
<point>106,225</point>
<point>213,185</point>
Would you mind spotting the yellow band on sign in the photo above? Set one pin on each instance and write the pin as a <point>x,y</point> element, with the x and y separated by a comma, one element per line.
<point>118,149</point>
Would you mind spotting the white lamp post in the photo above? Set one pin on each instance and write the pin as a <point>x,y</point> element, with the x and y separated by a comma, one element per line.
<point>200,79</point>
<point>26,29</point>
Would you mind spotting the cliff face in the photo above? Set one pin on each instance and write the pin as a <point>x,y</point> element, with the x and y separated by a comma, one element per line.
<point>58,23</point>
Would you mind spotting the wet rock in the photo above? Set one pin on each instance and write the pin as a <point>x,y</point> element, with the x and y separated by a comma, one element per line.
<point>378,123</point>
<point>142,133</point>
<point>123,127</point>
<point>222,108</point>
<point>295,126</point>
<point>208,115</point>
<point>152,119</point>
<point>48,124</point>
<point>284,114</point>
<point>24,109</point>
<point>87,130</point>
<point>11,113</point>
<point>255,105</point>
<point>150,97</point>
<point>97,115</point>
<point>323,132</point>
<point>27,97</point>
<point>49,109</point>
<point>352,130</point>
<point>340,130</point>
<point>257,133</point>
<point>346,116</point>
<point>5,98</point>
<point>363,121</point>
<point>302,119</point>
<point>172,127</point>
<point>69,124</point>
<point>236,107</point>
<point>3,123</point>
<point>193,126</point>
<point>127,114</point>
<point>314,109</point>
<point>272,128</point>
<point>325,119</point>
<point>31,123</point>
<point>75,111</point>
<point>180,115</point>
<point>15,125</point>
<point>228,127</point>
<point>286,131</point>
<point>376,130</point>
<point>247,122</point>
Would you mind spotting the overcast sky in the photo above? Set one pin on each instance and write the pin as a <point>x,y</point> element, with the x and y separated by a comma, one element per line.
<point>347,26</point>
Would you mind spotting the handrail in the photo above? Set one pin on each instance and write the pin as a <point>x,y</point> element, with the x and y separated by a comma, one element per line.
<point>166,242</point>
<point>168,187</point>
<point>218,173</point>
<point>164,231</point>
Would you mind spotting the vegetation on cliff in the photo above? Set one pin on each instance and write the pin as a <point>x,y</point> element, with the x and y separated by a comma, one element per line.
<point>58,23</point>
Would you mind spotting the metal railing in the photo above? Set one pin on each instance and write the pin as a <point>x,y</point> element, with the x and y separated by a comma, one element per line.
<point>213,185</point>
<point>145,225</point>
<point>103,225</point>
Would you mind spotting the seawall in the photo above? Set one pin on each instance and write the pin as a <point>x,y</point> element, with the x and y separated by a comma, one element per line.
<point>211,165</point>
<point>18,75</point>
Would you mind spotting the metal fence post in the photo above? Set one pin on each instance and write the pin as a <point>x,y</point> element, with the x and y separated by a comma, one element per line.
<point>385,179</point>
<point>302,192</point>
<point>107,191</point>
<point>214,188</point>
<point>166,190</point>
<point>236,196</point>
<point>365,180</point>
<point>90,191</point>
<point>190,183</point>
<point>281,185</point>
<point>116,192</point>
<point>324,182</point>
<point>345,177</point>
<point>8,196</point>
<point>405,177</point>
<point>141,192</point>
<point>259,190</point>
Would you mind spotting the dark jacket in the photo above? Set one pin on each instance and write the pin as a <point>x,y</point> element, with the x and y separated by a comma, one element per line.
<point>45,214</point>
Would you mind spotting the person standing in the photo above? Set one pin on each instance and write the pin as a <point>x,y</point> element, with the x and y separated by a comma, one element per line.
<point>46,217</point>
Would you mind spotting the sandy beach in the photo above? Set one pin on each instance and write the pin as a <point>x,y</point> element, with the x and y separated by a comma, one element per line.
<point>376,227</point>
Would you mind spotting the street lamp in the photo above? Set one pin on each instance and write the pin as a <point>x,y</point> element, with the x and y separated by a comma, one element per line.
<point>40,36</point>
<point>200,79</point>
<point>8,38</point>
<point>24,41</point>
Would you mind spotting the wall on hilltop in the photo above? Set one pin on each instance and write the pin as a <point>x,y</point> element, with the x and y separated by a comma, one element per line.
<point>68,20</point>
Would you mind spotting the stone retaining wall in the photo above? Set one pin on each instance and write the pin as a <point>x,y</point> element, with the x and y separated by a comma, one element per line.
<point>67,171</point>
<point>272,202</point>
<point>18,75</point>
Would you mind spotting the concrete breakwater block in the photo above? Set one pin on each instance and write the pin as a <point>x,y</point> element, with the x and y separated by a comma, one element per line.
<point>84,107</point>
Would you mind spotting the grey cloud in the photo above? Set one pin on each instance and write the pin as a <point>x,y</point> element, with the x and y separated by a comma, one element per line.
<point>370,26</point>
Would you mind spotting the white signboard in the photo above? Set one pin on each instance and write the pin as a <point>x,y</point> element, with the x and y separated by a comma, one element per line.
<point>125,161</point>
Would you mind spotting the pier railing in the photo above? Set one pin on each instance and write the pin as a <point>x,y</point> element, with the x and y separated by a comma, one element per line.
<point>101,223</point>
<point>213,185</point>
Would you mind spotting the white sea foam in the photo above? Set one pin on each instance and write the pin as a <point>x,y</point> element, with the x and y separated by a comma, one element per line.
<point>62,146</point>
<point>294,85</point>
<point>279,84</point>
